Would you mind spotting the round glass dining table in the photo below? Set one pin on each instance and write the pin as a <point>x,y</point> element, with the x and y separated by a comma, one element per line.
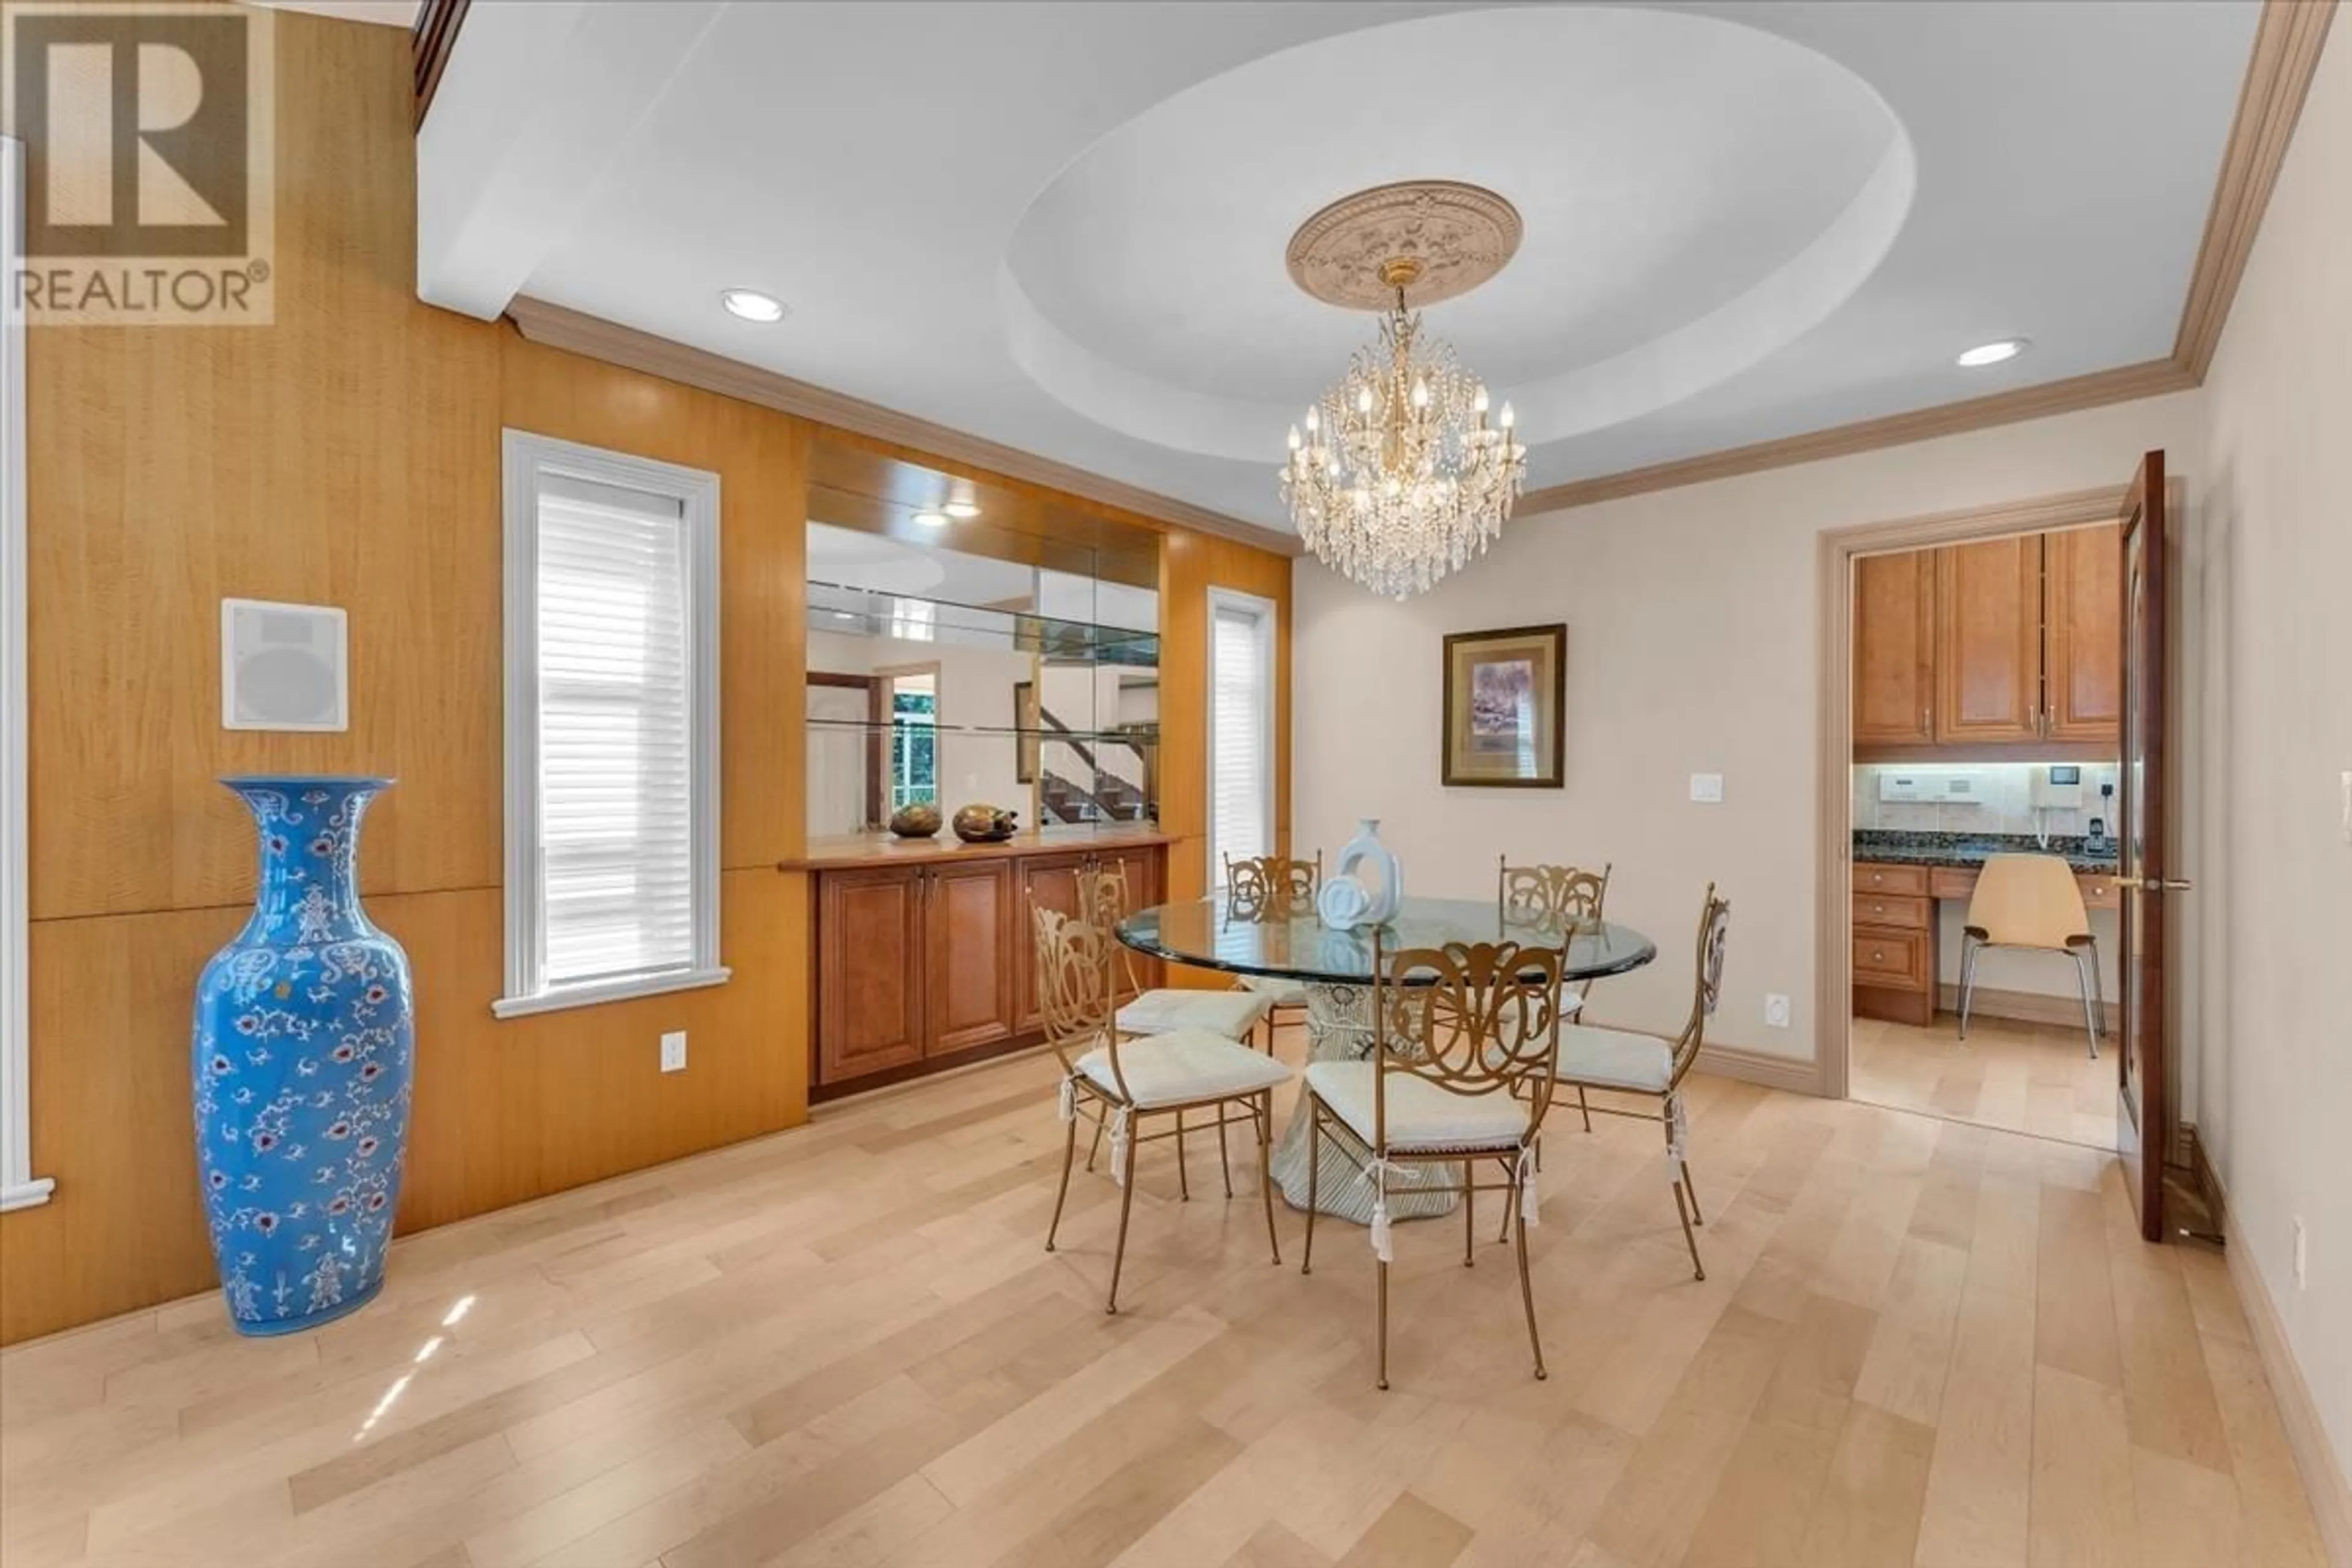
<point>1335,967</point>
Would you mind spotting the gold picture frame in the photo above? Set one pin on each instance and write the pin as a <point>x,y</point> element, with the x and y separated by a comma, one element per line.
<point>1505,692</point>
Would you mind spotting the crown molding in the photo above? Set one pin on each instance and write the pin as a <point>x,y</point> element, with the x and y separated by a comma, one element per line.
<point>2120,385</point>
<point>595,338</point>
<point>2287,43</point>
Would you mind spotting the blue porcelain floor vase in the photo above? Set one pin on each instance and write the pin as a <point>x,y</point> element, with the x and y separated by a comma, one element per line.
<point>304,1042</point>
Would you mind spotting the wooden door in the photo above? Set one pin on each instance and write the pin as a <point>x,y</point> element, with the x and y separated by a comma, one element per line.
<point>870,959</point>
<point>1988,642</point>
<point>971,948</point>
<point>2082,596</point>
<point>1894,650</point>
<point>2144,1114</point>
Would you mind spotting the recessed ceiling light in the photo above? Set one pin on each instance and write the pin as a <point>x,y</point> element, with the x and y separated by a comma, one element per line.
<point>932,518</point>
<point>1993,353</point>
<point>961,508</point>
<point>752,305</point>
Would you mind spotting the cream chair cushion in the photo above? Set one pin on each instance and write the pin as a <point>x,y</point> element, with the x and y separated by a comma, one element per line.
<point>2028,900</point>
<point>1280,991</point>
<point>1181,1066</point>
<point>1232,1014</point>
<point>1616,1058</point>
<point>1422,1117</point>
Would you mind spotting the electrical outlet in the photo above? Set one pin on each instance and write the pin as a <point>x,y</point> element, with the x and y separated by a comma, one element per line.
<point>673,1051</point>
<point>1707,788</point>
<point>1776,1011</point>
<point>2301,1252</point>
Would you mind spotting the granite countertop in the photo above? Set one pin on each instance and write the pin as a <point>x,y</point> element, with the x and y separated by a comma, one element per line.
<point>851,851</point>
<point>1968,850</point>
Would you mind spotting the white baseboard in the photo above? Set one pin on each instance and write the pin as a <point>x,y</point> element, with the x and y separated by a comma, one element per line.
<point>1760,1066</point>
<point>2315,1457</point>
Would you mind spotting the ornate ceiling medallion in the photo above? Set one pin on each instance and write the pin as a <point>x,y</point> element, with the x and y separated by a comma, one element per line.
<point>1459,235</point>
<point>1403,475</point>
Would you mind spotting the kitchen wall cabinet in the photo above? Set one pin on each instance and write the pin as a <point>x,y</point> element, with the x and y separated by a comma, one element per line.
<point>928,959</point>
<point>1894,650</point>
<point>1977,649</point>
<point>2082,576</point>
<point>1988,642</point>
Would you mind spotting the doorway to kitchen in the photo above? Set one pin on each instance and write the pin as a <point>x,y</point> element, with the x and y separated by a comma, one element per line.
<point>1970,809</point>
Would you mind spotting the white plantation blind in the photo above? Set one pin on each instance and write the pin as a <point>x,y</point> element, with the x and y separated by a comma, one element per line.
<point>1241,729</point>
<point>615,742</point>
<point>612,723</point>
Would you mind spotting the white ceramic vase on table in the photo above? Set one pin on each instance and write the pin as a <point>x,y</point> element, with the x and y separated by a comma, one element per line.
<point>1366,885</point>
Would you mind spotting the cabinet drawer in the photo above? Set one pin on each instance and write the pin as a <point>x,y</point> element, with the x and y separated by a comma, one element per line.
<point>1952,882</point>
<point>1892,910</point>
<point>1895,958</point>
<point>2098,892</point>
<point>1879,877</point>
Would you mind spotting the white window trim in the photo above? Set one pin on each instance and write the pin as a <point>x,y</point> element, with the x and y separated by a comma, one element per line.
<point>528,458</point>
<point>1264,609</point>
<point>18,1186</point>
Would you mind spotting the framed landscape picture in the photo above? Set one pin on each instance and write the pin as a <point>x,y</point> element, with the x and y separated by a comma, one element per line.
<point>1504,690</point>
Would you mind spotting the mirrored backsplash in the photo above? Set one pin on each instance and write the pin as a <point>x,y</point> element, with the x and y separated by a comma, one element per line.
<point>2000,798</point>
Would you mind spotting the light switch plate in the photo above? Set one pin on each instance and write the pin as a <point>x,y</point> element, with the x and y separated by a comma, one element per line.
<point>673,1051</point>
<point>1776,1011</point>
<point>2345,785</point>
<point>1707,788</point>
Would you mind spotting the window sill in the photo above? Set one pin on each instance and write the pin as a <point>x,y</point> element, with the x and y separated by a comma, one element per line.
<point>606,991</point>
<point>26,1195</point>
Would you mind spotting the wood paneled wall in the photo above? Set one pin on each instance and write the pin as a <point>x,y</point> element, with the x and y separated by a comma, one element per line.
<point>1190,565</point>
<point>349,455</point>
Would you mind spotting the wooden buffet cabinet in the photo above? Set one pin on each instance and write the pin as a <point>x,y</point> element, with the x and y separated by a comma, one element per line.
<point>924,956</point>
<point>2001,642</point>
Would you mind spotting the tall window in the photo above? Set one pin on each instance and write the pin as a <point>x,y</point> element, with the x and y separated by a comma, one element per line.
<point>18,1187</point>
<point>1241,729</point>
<point>611,610</point>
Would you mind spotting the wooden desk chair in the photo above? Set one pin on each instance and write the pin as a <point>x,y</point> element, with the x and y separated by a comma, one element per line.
<point>1625,1062</point>
<point>1120,1083</point>
<point>1464,1046</point>
<point>1554,897</point>
<point>2032,900</point>
<point>1274,886</point>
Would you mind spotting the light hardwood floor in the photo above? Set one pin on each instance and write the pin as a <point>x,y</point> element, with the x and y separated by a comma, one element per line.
<point>2022,1078</point>
<point>1918,1343</point>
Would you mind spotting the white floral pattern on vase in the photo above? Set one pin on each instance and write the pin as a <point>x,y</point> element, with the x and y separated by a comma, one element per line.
<point>304,1039</point>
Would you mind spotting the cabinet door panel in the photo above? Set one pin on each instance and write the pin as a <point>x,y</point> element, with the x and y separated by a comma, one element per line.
<point>1143,889</point>
<point>2083,590</point>
<point>870,943</point>
<point>1988,642</point>
<point>1046,882</point>
<point>1893,649</point>
<point>968,975</point>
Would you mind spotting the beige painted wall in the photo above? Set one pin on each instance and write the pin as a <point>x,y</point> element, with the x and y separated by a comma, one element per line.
<point>2276,712</point>
<point>1691,648</point>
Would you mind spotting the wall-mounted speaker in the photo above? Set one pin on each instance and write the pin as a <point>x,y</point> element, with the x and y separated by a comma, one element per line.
<point>283,667</point>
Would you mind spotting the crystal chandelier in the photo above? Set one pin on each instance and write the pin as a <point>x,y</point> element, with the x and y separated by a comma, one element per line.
<point>1403,471</point>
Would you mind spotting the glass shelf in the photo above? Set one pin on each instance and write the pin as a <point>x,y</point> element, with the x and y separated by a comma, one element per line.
<point>1137,736</point>
<point>868,612</point>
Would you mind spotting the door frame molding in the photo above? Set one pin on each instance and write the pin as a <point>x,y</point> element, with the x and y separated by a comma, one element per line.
<point>1836,550</point>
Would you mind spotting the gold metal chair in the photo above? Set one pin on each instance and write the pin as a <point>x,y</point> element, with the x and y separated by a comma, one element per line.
<point>1625,1062</point>
<point>2032,900</point>
<point>1554,897</point>
<point>1465,1039</point>
<point>1274,886</point>
<point>1120,1083</point>
<point>1106,898</point>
